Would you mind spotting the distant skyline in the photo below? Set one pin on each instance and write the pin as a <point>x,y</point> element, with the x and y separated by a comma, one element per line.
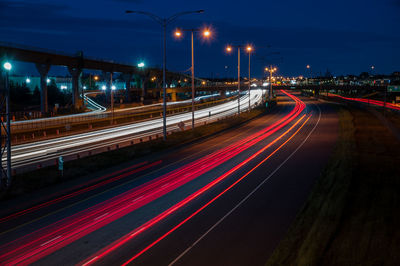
<point>346,37</point>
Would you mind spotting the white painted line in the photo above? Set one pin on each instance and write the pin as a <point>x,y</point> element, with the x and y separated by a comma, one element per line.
<point>137,199</point>
<point>86,263</point>
<point>138,231</point>
<point>50,241</point>
<point>101,216</point>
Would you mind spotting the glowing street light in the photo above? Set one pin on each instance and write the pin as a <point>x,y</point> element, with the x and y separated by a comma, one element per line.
<point>141,64</point>
<point>229,49</point>
<point>206,34</point>
<point>270,70</point>
<point>249,49</point>
<point>178,33</point>
<point>96,78</point>
<point>103,87</point>
<point>309,67</point>
<point>7,66</point>
<point>28,80</point>
<point>164,22</point>
<point>48,81</point>
<point>113,87</point>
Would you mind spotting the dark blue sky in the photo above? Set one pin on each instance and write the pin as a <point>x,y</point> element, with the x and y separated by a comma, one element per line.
<point>344,36</point>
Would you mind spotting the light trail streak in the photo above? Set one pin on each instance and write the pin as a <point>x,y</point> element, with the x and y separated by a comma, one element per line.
<point>48,149</point>
<point>369,101</point>
<point>107,250</point>
<point>85,189</point>
<point>215,198</point>
<point>26,250</point>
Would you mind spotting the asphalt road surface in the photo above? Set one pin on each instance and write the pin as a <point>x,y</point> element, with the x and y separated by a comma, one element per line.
<point>29,153</point>
<point>227,200</point>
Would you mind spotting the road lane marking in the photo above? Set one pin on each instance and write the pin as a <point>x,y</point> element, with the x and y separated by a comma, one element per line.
<point>99,217</point>
<point>137,199</point>
<point>89,261</point>
<point>248,196</point>
<point>51,240</point>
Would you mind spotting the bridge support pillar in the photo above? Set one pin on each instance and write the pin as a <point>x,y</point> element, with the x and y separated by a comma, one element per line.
<point>143,89</point>
<point>127,78</point>
<point>43,70</point>
<point>107,77</point>
<point>76,74</point>
<point>173,96</point>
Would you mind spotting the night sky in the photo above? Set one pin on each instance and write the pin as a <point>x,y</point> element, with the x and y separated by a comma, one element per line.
<point>344,36</point>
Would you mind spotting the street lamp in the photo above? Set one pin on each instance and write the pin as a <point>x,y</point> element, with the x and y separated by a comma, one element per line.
<point>270,70</point>
<point>249,49</point>
<point>7,68</point>
<point>141,65</point>
<point>229,49</point>
<point>164,22</point>
<point>206,34</point>
<point>309,67</point>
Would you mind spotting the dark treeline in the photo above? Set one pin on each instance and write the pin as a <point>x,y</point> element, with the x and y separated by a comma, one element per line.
<point>23,99</point>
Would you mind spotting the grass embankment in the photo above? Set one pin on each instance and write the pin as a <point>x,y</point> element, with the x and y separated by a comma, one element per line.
<point>352,215</point>
<point>30,181</point>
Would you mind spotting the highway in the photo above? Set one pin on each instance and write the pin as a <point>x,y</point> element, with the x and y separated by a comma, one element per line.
<point>97,112</point>
<point>226,200</point>
<point>39,151</point>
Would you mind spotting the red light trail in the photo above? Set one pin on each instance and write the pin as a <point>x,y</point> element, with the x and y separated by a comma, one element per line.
<point>107,250</point>
<point>45,241</point>
<point>86,189</point>
<point>369,101</point>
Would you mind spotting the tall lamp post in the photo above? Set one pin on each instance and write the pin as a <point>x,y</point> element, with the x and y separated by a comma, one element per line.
<point>249,49</point>
<point>309,67</point>
<point>5,174</point>
<point>164,22</point>
<point>270,70</point>
<point>229,49</point>
<point>206,33</point>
